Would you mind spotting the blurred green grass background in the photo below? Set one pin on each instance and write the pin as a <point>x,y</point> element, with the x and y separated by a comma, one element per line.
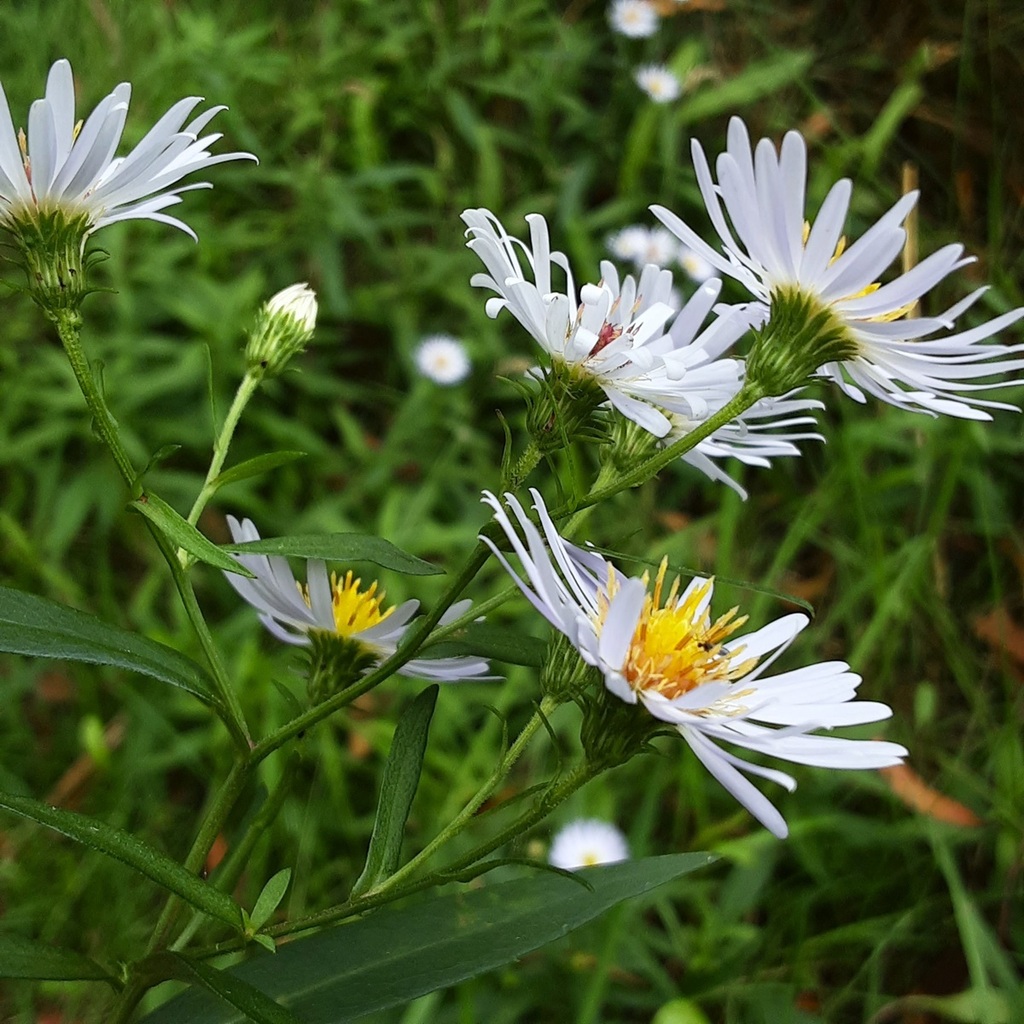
<point>376,123</point>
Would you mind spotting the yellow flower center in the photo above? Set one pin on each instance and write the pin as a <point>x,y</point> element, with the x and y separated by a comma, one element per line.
<point>354,610</point>
<point>676,645</point>
<point>895,314</point>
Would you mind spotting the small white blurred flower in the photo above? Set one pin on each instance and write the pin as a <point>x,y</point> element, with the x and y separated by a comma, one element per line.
<point>629,244</point>
<point>584,843</point>
<point>634,18</point>
<point>658,82</point>
<point>442,359</point>
<point>641,245</point>
<point>694,265</point>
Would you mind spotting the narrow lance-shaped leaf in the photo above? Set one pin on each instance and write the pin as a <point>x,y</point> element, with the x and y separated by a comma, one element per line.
<point>130,850</point>
<point>182,533</point>
<point>394,956</point>
<point>254,467</point>
<point>492,642</point>
<point>245,999</point>
<point>44,629</point>
<point>268,900</point>
<point>24,958</point>
<point>397,789</point>
<point>340,547</point>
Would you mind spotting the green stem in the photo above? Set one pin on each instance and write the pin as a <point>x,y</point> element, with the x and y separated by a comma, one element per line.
<point>414,640</point>
<point>130,997</point>
<point>462,819</point>
<point>68,326</point>
<point>213,823</point>
<point>230,871</point>
<point>246,389</point>
<point>548,801</point>
<point>392,890</point>
<point>748,395</point>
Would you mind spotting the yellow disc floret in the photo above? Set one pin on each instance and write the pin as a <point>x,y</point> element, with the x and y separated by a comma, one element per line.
<point>676,646</point>
<point>355,610</point>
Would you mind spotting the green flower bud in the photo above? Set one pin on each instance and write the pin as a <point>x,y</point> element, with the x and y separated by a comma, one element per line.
<point>282,329</point>
<point>564,410</point>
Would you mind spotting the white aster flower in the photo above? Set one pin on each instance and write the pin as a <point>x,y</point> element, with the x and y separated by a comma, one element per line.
<point>442,359</point>
<point>694,265</point>
<point>337,606</point>
<point>865,341</point>
<point>629,244</point>
<point>634,18</point>
<point>615,332</point>
<point>587,842</point>
<point>642,245</point>
<point>69,166</point>
<point>658,82</point>
<point>661,648</point>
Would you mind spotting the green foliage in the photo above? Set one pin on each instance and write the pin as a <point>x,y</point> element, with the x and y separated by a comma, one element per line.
<point>397,789</point>
<point>375,126</point>
<point>391,957</point>
<point>43,629</point>
<point>128,849</point>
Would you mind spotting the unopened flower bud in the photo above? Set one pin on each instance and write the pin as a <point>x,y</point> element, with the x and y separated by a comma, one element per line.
<point>282,329</point>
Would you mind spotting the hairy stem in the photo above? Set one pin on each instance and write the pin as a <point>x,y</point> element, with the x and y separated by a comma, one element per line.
<point>246,389</point>
<point>68,326</point>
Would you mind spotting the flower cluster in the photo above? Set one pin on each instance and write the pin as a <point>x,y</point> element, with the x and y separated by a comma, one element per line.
<point>663,367</point>
<point>641,245</point>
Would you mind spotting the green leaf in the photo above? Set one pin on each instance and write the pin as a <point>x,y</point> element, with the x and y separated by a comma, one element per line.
<point>493,642</point>
<point>23,958</point>
<point>44,629</point>
<point>254,467</point>
<point>738,91</point>
<point>182,533</point>
<point>394,956</point>
<point>268,900</point>
<point>398,787</point>
<point>130,850</point>
<point>340,547</point>
<point>246,999</point>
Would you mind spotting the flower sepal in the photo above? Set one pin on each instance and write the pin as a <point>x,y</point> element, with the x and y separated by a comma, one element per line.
<point>801,335</point>
<point>565,676</point>
<point>612,732</point>
<point>335,663</point>
<point>564,410</point>
<point>50,247</point>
